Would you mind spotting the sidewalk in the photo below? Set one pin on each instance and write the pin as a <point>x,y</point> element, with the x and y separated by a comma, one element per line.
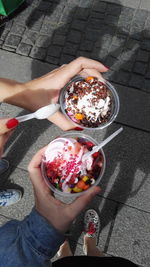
<point>45,35</point>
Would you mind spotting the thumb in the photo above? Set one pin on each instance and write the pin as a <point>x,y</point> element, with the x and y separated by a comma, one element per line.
<point>7,124</point>
<point>81,202</point>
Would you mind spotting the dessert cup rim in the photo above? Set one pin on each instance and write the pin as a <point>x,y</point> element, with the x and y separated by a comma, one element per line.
<point>74,195</point>
<point>102,126</point>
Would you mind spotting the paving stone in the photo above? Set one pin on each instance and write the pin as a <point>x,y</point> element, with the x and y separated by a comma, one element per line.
<point>17,29</point>
<point>143,56</point>
<point>35,20</point>
<point>67,15</point>
<point>83,54</point>
<point>74,36</point>
<point>24,49</point>
<point>147,75</point>
<point>86,45</point>
<point>59,39</point>
<point>82,13</point>
<point>78,25</point>
<point>12,40</point>
<point>146,84</point>
<point>145,5</point>
<point>94,23</point>
<point>119,40</point>
<point>70,48</point>
<point>140,67</point>
<point>39,53</point>
<point>113,9</point>
<point>127,66</point>
<point>122,77</point>
<point>97,15</point>
<point>45,6</point>
<point>99,6</point>
<point>139,19</point>
<point>136,81</point>
<point>43,41</point>
<point>30,37</point>
<point>145,45</point>
<point>92,35</point>
<point>66,59</point>
<point>27,68</point>
<point>54,50</point>
<point>47,28</point>
<point>11,49</point>
<point>130,238</point>
<point>52,60</point>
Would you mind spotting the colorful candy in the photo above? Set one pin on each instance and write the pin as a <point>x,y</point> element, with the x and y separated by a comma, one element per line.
<point>65,173</point>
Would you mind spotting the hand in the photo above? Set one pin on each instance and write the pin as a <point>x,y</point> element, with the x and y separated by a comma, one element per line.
<point>59,214</point>
<point>46,89</point>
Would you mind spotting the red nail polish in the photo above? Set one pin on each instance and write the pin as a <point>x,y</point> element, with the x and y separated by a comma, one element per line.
<point>78,129</point>
<point>12,123</point>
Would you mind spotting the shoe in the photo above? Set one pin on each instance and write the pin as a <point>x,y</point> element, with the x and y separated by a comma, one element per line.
<point>9,197</point>
<point>91,225</point>
<point>4,165</point>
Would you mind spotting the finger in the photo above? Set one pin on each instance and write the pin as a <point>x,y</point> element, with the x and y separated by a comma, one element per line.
<point>91,72</point>
<point>81,63</point>
<point>81,202</point>
<point>61,121</point>
<point>77,65</point>
<point>34,169</point>
<point>35,162</point>
<point>7,125</point>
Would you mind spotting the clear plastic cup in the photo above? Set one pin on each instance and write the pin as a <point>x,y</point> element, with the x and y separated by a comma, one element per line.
<point>64,194</point>
<point>114,106</point>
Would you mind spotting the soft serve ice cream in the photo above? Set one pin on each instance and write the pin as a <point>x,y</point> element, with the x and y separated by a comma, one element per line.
<point>88,102</point>
<point>64,167</point>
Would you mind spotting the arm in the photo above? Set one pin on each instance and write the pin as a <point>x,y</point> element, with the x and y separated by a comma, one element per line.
<point>31,242</point>
<point>45,90</point>
<point>37,238</point>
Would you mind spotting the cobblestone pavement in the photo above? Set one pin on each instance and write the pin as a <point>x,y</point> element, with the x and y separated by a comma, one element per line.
<point>59,31</point>
<point>44,34</point>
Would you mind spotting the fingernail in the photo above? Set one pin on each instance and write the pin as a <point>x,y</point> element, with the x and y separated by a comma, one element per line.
<point>12,123</point>
<point>107,67</point>
<point>77,129</point>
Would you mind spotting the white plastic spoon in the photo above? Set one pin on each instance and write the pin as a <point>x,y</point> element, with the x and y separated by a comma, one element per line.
<point>41,113</point>
<point>98,147</point>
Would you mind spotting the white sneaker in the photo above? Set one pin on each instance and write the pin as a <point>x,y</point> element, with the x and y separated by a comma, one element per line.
<point>9,197</point>
<point>91,226</point>
<point>4,165</point>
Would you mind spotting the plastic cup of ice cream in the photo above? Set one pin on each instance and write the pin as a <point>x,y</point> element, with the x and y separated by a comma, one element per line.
<point>89,103</point>
<point>63,169</point>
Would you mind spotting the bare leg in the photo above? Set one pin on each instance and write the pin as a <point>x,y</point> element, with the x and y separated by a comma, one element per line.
<point>90,247</point>
<point>64,250</point>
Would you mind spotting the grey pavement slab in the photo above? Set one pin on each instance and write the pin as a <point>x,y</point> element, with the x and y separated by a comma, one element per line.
<point>130,237</point>
<point>145,4</point>
<point>127,3</point>
<point>19,67</point>
<point>18,179</point>
<point>134,108</point>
